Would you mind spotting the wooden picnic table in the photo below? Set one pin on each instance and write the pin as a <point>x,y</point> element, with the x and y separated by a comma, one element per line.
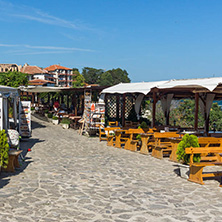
<point>144,139</point>
<point>118,133</point>
<point>174,144</point>
<point>75,120</point>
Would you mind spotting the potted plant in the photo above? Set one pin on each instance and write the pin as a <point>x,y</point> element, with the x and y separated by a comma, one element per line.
<point>55,120</point>
<point>182,157</point>
<point>4,149</point>
<point>46,111</point>
<point>65,123</point>
<point>32,110</point>
<point>50,115</point>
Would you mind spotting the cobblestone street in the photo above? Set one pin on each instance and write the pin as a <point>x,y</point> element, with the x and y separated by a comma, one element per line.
<point>68,178</point>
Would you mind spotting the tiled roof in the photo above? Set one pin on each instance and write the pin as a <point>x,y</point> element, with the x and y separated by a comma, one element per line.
<point>54,67</point>
<point>33,70</point>
<point>39,82</point>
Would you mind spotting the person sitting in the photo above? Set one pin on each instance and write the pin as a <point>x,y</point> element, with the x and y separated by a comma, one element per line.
<point>56,106</point>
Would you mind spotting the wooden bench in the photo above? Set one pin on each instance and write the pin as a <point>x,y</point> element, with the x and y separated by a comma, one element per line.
<point>111,138</point>
<point>196,169</point>
<point>203,142</point>
<point>13,160</point>
<point>162,144</point>
<point>104,133</point>
<point>131,141</point>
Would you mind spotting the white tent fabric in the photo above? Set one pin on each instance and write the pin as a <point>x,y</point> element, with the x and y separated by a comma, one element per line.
<point>208,83</point>
<point>138,102</point>
<point>145,87</point>
<point>141,87</point>
<point>39,89</point>
<point>166,102</point>
<point>206,105</point>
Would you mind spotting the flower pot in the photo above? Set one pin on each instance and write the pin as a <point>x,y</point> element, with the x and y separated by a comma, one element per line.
<point>65,126</point>
<point>184,170</point>
<point>46,114</point>
<point>55,121</point>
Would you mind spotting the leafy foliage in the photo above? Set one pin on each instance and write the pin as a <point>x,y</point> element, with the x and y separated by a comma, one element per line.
<point>91,75</point>
<point>105,78</point>
<point>186,142</point>
<point>13,79</point>
<point>113,77</point>
<point>65,121</point>
<point>216,117</point>
<point>50,115</point>
<point>4,148</point>
<point>143,125</point>
<point>55,117</point>
<point>79,79</point>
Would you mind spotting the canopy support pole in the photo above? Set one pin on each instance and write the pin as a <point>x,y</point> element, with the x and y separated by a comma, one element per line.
<point>117,107</point>
<point>123,110</point>
<point>154,109</point>
<point>196,111</point>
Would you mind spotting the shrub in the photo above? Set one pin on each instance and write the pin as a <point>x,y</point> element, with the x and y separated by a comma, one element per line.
<point>55,117</point>
<point>32,108</point>
<point>138,137</point>
<point>50,115</point>
<point>143,125</point>
<point>4,148</point>
<point>46,110</point>
<point>65,121</point>
<point>187,141</point>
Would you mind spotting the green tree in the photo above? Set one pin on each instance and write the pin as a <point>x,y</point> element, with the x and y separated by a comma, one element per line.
<point>79,80</point>
<point>92,75</point>
<point>113,77</point>
<point>13,79</point>
<point>216,117</point>
<point>106,79</point>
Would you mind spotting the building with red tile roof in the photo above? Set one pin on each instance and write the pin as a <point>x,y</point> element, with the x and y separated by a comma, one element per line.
<point>63,75</point>
<point>41,82</point>
<point>35,72</point>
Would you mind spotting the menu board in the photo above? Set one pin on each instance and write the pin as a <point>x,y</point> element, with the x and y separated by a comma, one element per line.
<point>25,118</point>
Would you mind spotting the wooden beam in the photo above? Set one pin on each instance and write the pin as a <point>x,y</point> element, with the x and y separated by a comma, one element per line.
<point>196,111</point>
<point>154,109</point>
<point>117,107</point>
<point>123,110</point>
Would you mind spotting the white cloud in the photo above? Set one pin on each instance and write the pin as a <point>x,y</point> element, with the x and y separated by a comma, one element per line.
<point>34,49</point>
<point>33,14</point>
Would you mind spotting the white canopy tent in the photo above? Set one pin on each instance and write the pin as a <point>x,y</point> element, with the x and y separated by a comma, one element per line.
<point>5,93</point>
<point>198,86</point>
<point>140,87</point>
<point>40,89</point>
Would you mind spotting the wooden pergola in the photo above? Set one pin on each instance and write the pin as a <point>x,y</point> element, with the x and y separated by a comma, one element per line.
<point>72,94</point>
<point>204,91</point>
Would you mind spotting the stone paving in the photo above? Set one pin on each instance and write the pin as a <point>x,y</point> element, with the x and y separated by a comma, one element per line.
<point>68,178</point>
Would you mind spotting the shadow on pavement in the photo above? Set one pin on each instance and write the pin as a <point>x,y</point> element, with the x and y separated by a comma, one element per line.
<point>3,182</point>
<point>37,125</point>
<point>25,145</point>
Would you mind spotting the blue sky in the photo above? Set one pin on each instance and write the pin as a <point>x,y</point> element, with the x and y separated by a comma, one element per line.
<point>151,39</point>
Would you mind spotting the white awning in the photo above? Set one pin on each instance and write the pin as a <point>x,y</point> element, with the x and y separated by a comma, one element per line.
<point>6,91</point>
<point>145,87</point>
<point>140,87</point>
<point>207,83</point>
<point>39,89</point>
